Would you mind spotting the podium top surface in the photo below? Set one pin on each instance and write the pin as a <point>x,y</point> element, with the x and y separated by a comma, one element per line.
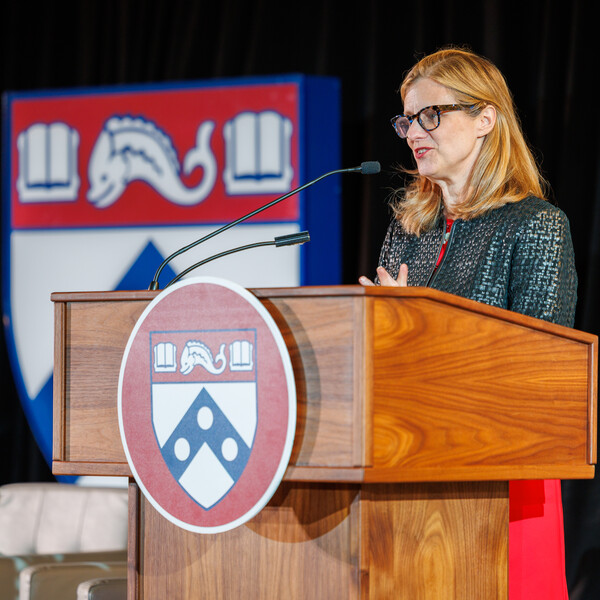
<point>350,290</point>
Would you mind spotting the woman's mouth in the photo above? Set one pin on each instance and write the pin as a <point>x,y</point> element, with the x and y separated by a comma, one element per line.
<point>420,152</point>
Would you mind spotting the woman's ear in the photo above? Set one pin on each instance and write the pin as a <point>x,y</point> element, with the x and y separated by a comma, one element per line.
<point>487,120</point>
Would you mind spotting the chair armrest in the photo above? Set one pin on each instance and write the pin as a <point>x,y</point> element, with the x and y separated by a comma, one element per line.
<point>11,566</point>
<point>60,580</point>
<point>113,588</point>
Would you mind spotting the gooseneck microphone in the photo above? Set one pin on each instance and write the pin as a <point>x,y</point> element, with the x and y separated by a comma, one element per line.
<point>366,168</point>
<point>370,167</point>
<point>290,239</point>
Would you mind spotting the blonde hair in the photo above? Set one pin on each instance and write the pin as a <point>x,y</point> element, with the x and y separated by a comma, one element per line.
<point>505,170</point>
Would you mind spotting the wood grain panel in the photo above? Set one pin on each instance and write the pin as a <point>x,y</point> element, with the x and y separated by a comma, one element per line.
<point>437,541</point>
<point>303,544</point>
<point>95,341</point>
<point>418,541</point>
<point>133,541</point>
<point>484,392</point>
<point>58,383</point>
<point>324,345</point>
<point>321,339</point>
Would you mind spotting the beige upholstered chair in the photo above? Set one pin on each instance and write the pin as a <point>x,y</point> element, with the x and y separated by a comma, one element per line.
<point>49,523</point>
<point>63,581</point>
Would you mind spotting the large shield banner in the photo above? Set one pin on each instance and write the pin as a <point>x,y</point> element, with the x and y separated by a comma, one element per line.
<point>100,185</point>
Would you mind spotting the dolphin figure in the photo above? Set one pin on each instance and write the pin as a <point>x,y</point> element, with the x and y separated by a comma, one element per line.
<point>197,353</point>
<point>131,148</point>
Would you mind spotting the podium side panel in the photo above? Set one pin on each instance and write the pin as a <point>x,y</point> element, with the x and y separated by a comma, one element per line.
<point>456,391</point>
<point>58,384</point>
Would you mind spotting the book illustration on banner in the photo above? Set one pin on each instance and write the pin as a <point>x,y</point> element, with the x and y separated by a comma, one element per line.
<point>209,441</point>
<point>48,163</point>
<point>258,159</point>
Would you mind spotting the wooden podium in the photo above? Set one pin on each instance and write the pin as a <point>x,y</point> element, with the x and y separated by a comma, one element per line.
<point>415,409</point>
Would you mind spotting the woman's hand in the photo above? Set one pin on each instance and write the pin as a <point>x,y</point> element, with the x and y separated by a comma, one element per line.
<point>386,279</point>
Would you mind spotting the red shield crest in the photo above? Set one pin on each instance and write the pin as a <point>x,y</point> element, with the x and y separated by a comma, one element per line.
<point>207,404</point>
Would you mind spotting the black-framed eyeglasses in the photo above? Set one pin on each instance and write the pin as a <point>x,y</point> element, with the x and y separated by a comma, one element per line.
<point>428,117</point>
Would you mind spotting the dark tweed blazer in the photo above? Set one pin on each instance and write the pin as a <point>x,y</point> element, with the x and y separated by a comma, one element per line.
<point>519,257</point>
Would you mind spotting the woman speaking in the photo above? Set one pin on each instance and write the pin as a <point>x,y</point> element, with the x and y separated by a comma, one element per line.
<point>473,221</point>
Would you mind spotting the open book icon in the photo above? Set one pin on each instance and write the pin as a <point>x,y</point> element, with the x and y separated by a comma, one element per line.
<point>258,153</point>
<point>48,163</point>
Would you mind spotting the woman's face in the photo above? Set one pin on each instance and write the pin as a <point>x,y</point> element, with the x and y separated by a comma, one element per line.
<point>447,154</point>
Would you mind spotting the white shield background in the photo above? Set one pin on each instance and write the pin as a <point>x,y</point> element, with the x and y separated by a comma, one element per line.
<point>205,479</point>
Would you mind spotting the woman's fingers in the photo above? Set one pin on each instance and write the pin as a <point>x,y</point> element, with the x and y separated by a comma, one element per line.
<point>386,279</point>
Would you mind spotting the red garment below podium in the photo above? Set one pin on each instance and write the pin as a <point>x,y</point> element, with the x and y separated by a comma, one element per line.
<point>536,557</point>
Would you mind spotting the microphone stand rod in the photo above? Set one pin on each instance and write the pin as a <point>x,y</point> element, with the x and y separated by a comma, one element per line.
<point>154,283</point>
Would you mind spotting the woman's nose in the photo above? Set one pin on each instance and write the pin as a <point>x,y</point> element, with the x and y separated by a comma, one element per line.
<point>415,131</point>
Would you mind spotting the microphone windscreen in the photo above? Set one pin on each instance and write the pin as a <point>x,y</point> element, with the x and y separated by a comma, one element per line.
<point>292,238</point>
<point>370,167</point>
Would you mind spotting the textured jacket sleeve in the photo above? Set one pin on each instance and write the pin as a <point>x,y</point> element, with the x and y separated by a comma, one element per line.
<point>543,281</point>
<point>385,255</point>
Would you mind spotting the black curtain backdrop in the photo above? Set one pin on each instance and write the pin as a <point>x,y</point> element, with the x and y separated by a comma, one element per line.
<point>543,47</point>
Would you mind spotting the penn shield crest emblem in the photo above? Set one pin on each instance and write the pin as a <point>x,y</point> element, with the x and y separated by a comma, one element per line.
<point>204,408</point>
<point>207,404</point>
<point>103,183</point>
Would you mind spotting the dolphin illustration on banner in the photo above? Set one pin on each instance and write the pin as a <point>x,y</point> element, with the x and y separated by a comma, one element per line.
<point>135,148</point>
